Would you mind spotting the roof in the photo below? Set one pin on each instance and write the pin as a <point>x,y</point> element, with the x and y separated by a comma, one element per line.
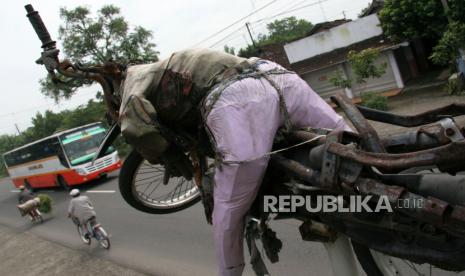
<point>323,26</point>
<point>57,134</point>
<point>275,52</point>
<point>374,7</point>
<point>340,55</point>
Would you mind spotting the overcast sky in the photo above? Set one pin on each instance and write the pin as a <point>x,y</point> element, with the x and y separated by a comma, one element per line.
<point>176,24</point>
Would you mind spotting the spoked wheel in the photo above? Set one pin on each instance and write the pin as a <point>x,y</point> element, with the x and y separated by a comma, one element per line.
<point>82,233</point>
<point>102,237</point>
<point>375,263</point>
<point>141,185</point>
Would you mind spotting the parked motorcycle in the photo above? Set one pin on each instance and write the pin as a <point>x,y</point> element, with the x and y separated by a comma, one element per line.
<point>421,165</point>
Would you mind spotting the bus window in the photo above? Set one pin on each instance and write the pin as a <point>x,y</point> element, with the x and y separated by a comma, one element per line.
<point>81,146</point>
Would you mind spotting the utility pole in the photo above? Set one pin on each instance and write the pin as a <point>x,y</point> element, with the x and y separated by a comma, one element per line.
<point>17,129</point>
<point>251,38</point>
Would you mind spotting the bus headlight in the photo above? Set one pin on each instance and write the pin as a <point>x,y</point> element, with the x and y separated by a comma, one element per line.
<point>80,171</point>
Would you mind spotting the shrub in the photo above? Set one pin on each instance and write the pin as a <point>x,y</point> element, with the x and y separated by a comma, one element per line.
<point>452,85</point>
<point>374,100</point>
<point>45,205</point>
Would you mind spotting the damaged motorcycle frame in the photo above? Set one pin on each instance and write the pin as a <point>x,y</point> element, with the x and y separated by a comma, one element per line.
<point>362,163</point>
<point>344,164</point>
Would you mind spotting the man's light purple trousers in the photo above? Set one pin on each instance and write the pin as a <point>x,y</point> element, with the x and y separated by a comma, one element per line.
<point>244,121</point>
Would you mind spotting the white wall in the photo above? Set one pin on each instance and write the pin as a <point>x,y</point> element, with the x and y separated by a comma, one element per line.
<point>319,79</point>
<point>334,38</point>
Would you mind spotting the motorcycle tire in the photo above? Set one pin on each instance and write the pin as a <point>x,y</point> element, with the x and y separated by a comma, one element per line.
<point>127,178</point>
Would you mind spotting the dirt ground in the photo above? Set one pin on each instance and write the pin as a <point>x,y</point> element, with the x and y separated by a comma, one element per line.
<point>417,101</point>
<point>23,253</point>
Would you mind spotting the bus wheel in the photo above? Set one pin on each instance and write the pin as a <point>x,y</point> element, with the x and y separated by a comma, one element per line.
<point>62,183</point>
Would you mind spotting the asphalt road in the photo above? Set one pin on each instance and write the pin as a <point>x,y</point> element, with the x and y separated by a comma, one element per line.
<point>175,244</point>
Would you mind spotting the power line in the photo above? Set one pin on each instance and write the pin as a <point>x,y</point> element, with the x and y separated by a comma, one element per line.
<point>227,36</point>
<point>260,22</point>
<point>292,10</point>
<point>234,23</point>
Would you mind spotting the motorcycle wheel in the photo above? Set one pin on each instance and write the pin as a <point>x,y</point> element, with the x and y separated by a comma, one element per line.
<point>85,238</point>
<point>375,263</point>
<point>141,185</point>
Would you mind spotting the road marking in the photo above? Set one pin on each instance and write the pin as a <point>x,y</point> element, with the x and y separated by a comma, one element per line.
<point>17,191</point>
<point>101,191</point>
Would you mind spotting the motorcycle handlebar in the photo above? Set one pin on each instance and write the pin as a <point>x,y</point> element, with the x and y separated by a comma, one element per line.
<point>39,27</point>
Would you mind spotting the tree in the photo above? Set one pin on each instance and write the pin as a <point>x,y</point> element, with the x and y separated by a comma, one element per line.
<point>7,143</point>
<point>284,30</point>
<point>43,125</point>
<point>229,50</point>
<point>406,19</point>
<point>92,40</point>
<point>364,67</point>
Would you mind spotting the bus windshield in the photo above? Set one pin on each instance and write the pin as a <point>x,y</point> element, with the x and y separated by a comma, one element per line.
<point>82,145</point>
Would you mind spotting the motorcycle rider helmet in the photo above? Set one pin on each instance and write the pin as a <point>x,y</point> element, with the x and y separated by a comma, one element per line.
<point>74,192</point>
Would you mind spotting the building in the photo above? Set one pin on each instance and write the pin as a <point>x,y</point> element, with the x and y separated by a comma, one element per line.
<point>323,53</point>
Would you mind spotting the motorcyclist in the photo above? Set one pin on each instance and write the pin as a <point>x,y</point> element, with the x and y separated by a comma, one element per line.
<point>241,103</point>
<point>24,194</point>
<point>81,210</point>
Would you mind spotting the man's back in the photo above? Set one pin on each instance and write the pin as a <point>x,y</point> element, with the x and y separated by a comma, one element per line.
<point>25,195</point>
<point>81,208</point>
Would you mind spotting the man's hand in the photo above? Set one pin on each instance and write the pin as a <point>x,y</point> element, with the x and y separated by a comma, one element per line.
<point>176,163</point>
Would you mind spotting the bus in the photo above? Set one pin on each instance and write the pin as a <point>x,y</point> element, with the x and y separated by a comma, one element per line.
<point>63,159</point>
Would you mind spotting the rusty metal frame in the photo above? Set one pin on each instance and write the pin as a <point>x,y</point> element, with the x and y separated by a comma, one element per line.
<point>431,116</point>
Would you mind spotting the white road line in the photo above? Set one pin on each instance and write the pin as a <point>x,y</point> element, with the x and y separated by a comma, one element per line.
<point>15,191</point>
<point>101,191</point>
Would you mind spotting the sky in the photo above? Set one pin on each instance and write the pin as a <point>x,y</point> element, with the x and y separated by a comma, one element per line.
<point>175,24</point>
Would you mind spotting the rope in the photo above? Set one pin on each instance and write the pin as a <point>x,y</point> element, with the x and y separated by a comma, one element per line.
<point>273,152</point>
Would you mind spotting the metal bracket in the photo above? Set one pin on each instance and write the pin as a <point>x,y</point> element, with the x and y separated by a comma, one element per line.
<point>451,130</point>
<point>329,168</point>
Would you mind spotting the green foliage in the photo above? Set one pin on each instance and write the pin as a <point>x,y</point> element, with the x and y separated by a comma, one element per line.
<point>7,143</point>
<point>92,40</point>
<point>452,86</point>
<point>337,79</point>
<point>229,50</point>
<point>407,19</point>
<point>445,52</point>
<point>363,64</point>
<point>374,100</point>
<point>45,205</point>
<point>283,30</point>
